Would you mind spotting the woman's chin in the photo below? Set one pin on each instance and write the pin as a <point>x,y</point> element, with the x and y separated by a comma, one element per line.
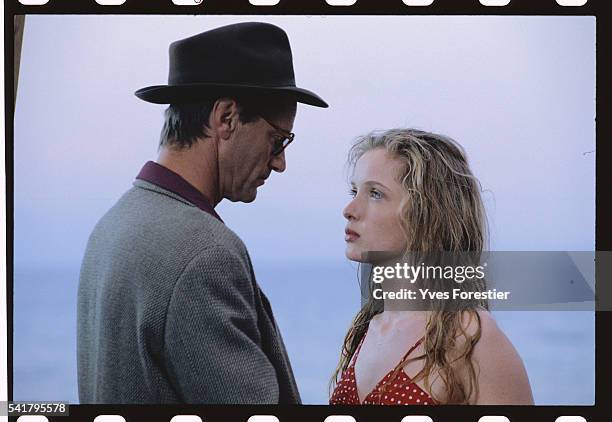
<point>353,255</point>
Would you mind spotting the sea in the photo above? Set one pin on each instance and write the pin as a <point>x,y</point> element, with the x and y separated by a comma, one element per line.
<point>313,303</point>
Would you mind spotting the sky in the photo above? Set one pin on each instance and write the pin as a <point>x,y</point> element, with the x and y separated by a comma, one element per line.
<point>517,92</point>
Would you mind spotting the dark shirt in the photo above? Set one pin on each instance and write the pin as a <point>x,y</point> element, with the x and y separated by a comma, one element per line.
<point>165,178</point>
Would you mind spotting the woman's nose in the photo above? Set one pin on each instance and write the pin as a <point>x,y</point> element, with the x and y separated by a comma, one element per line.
<point>350,211</point>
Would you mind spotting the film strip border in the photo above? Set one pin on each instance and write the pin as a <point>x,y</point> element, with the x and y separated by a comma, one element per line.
<point>330,7</point>
<point>329,2</point>
<point>244,413</point>
<point>112,413</point>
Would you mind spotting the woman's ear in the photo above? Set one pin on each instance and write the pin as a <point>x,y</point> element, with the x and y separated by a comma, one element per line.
<point>224,117</point>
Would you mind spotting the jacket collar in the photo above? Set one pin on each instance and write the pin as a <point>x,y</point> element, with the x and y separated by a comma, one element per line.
<point>165,178</point>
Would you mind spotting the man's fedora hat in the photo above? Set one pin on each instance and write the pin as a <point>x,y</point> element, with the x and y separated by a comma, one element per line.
<point>246,58</point>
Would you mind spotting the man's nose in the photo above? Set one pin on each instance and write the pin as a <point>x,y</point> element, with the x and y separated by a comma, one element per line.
<point>278,163</point>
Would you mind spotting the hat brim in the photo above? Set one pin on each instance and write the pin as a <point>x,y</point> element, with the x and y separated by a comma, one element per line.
<point>189,93</point>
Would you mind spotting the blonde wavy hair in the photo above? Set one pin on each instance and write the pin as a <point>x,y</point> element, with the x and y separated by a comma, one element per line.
<point>441,211</point>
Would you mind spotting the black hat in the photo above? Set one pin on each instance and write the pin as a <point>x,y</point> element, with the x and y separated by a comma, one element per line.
<point>241,58</point>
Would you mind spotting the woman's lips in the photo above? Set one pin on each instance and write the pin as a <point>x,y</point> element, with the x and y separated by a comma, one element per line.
<point>350,236</point>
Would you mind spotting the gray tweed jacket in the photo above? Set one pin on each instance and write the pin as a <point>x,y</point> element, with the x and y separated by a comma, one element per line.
<point>169,310</point>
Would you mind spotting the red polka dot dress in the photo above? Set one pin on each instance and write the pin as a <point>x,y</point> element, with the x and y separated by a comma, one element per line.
<point>399,391</point>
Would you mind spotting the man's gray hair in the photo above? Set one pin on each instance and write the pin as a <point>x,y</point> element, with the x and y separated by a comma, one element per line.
<point>184,124</point>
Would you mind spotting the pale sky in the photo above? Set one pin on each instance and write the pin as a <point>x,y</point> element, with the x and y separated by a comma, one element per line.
<point>517,92</point>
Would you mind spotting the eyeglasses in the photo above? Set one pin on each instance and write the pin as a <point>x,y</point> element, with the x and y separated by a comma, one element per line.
<point>282,140</point>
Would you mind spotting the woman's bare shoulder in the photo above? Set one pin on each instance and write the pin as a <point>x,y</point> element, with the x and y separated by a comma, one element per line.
<point>502,378</point>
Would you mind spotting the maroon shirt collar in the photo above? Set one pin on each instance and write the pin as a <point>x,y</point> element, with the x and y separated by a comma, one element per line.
<point>165,178</point>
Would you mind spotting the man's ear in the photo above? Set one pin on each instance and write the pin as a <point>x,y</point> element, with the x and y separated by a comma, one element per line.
<point>224,117</point>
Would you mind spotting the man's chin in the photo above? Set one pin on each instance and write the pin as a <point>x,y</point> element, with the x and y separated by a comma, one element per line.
<point>250,199</point>
<point>246,197</point>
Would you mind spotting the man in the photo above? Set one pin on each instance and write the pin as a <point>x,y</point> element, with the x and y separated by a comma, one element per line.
<point>168,307</point>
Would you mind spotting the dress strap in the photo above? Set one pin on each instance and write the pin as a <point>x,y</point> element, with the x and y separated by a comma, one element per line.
<point>354,358</point>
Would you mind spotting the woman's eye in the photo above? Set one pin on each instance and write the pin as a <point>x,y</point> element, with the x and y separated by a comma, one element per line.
<point>353,192</point>
<point>375,194</point>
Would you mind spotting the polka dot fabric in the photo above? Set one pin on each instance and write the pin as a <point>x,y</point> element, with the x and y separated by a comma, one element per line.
<point>398,391</point>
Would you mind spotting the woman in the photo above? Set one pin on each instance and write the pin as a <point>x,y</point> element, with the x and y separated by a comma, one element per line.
<point>414,191</point>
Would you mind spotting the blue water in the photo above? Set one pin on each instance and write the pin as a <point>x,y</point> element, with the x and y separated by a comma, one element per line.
<point>313,305</point>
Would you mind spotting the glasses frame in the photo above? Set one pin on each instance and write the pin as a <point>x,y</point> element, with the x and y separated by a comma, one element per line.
<point>290,136</point>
